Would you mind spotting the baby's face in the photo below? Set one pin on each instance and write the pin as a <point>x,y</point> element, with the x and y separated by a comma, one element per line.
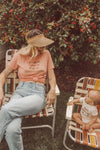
<point>90,97</point>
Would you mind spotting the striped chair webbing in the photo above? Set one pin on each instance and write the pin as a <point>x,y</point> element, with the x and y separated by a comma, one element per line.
<point>12,80</point>
<point>84,85</point>
<point>47,111</point>
<point>84,137</point>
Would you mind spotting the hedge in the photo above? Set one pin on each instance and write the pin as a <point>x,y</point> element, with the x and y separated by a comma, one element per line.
<point>73,25</point>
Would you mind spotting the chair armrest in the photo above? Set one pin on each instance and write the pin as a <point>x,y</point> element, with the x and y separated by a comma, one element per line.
<point>69,110</point>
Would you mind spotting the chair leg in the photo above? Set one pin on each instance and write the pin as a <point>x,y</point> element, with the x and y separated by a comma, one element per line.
<point>65,136</point>
<point>54,117</point>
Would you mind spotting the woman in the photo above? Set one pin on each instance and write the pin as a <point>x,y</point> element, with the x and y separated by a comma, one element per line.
<point>33,63</point>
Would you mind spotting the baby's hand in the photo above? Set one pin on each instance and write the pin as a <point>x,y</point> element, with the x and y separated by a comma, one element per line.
<point>70,103</point>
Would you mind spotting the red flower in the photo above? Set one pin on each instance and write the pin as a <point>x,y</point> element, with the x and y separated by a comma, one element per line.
<point>73,22</point>
<point>11,46</point>
<point>15,1</point>
<point>93,25</point>
<point>86,9</point>
<point>68,54</point>
<point>66,28</point>
<point>6,40</point>
<point>60,50</point>
<point>70,46</point>
<point>81,30</point>
<point>76,17</point>
<point>11,10</point>
<point>17,18</point>
<point>5,33</point>
<point>45,31</point>
<point>57,24</point>
<point>24,9</point>
<point>67,77</point>
<point>14,39</point>
<point>91,40</point>
<point>6,15</point>
<point>88,19</point>
<point>22,35</point>
<point>69,34</point>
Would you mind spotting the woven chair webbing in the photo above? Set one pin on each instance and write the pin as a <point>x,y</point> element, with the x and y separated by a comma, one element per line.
<point>84,137</point>
<point>81,136</point>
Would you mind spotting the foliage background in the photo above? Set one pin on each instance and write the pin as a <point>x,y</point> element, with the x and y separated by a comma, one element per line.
<point>73,25</point>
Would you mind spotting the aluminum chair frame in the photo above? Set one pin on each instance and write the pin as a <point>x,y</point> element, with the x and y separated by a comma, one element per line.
<point>83,85</point>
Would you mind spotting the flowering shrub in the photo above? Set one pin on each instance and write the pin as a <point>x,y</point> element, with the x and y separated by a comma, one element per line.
<point>72,24</point>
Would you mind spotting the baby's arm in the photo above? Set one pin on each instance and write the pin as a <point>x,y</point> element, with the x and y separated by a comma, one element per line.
<point>73,102</point>
<point>78,118</point>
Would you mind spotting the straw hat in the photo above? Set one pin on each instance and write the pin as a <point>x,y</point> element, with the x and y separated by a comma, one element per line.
<point>39,41</point>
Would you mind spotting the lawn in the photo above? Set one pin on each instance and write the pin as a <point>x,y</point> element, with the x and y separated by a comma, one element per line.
<point>41,139</point>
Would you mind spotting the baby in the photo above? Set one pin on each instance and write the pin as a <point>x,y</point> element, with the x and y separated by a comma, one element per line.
<point>88,116</point>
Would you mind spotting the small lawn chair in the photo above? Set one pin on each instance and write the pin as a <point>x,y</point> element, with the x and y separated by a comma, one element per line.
<point>10,85</point>
<point>73,130</point>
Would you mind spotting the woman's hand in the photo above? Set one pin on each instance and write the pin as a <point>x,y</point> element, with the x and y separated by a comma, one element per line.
<point>52,81</point>
<point>51,97</point>
<point>3,76</point>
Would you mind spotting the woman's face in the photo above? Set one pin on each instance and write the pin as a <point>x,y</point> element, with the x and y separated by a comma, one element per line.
<point>40,48</point>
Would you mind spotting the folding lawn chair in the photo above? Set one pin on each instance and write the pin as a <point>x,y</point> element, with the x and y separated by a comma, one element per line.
<point>73,130</point>
<point>10,85</point>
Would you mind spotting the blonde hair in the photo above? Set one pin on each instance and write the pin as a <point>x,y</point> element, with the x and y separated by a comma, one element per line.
<point>30,49</point>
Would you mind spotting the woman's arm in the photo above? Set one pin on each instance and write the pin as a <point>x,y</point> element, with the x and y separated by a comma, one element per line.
<point>3,76</point>
<point>52,82</point>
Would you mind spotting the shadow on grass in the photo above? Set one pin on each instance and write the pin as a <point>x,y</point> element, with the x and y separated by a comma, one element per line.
<point>41,139</point>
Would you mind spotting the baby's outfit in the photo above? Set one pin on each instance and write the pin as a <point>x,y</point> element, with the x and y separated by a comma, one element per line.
<point>87,111</point>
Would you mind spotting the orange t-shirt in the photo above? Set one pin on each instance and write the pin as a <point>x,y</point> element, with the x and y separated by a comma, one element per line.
<point>32,69</point>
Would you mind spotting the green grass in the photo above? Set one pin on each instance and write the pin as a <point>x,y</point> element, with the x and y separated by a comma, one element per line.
<point>41,139</point>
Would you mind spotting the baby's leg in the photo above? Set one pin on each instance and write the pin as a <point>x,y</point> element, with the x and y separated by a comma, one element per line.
<point>77,117</point>
<point>96,125</point>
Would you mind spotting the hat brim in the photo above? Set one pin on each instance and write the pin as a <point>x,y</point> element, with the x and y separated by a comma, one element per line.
<point>40,41</point>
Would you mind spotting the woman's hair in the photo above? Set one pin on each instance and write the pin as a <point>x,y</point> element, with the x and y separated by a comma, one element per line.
<point>30,49</point>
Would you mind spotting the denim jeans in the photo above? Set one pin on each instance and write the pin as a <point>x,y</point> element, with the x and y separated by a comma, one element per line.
<point>28,99</point>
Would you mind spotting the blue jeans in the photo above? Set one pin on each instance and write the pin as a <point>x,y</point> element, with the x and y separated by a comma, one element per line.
<point>28,99</point>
